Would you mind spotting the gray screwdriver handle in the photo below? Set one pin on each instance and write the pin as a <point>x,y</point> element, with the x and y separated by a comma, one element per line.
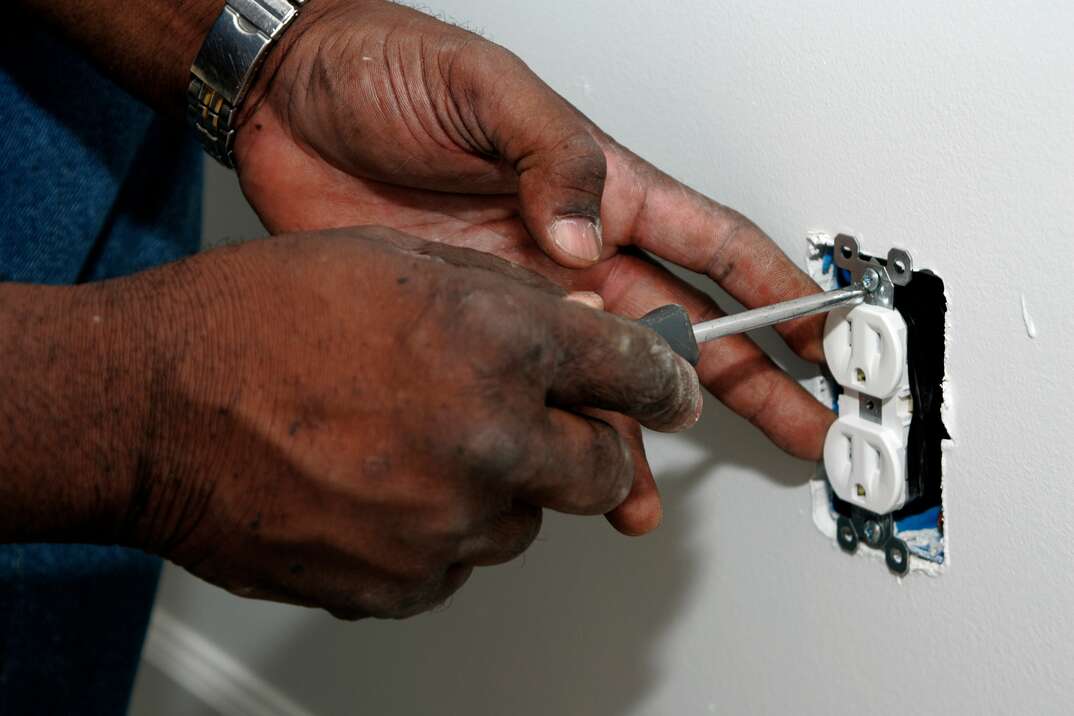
<point>673,324</point>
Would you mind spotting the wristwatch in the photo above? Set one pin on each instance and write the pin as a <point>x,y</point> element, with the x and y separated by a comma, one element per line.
<point>226,66</point>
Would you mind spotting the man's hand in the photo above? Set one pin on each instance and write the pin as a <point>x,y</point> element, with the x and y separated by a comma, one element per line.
<point>351,419</point>
<point>369,112</point>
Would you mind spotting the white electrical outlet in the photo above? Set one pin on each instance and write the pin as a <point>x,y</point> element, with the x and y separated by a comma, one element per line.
<point>866,349</point>
<point>876,489</point>
<point>865,449</point>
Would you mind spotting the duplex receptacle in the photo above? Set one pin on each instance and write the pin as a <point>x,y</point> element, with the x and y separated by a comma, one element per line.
<point>865,449</point>
<point>882,468</point>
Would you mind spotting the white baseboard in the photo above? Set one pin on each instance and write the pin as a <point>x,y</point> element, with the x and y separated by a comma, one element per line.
<point>210,674</point>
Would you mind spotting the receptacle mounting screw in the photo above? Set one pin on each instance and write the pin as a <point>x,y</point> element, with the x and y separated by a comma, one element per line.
<point>872,532</point>
<point>870,280</point>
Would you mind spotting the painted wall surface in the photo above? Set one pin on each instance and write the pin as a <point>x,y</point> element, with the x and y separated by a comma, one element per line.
<point>946,128</point>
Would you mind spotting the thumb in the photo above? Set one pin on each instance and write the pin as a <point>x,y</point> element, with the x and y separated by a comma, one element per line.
<point>560,166</point>
<point>560,185</point>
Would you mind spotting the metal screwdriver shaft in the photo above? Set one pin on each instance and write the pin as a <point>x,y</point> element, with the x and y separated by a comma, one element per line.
<point>673,323</point>
<point>778,313</point>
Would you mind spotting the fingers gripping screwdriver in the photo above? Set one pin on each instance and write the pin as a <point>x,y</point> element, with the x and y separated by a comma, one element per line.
<point>673,323</point>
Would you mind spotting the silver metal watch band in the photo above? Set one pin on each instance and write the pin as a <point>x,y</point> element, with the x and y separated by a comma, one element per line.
<point>226,66</point>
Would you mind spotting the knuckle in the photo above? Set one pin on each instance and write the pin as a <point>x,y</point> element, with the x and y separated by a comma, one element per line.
<point>403,596</point>
<point>613,471</point>
<point>764,402</point>
<point>400,606</point>
<point>488,55</point>
<point>347,613</point>
<point>455,577</point>
<point>531,527</point>
<point>660,380</point>
<point>580,162</point>
<point>429,593</point>
<point>476,302</point>
<point>493,449</point>
<point>475,61</point>
<point>413,573</point>
<point>732,229</point>
<point>413,605</point>
<point>485,316</point>
<point>453,521</point>
<point>602,476</point>
<point>516,533</point>
<point>504,537</point>
<point>479,312</point>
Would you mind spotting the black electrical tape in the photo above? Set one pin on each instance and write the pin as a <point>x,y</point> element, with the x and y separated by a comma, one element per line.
<point>924,308</point>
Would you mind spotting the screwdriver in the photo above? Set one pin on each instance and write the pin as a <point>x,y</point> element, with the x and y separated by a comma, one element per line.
<point>673,323</point>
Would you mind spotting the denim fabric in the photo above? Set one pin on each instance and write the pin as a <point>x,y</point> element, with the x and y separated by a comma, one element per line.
<point>72,622</point>
<point>92,185</point>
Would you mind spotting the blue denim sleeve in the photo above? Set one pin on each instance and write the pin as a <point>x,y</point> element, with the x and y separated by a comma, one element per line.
<point>72,622</point>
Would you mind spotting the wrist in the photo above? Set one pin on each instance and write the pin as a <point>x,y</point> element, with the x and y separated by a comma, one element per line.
<point>146,47</point>
<point>229,64</point>
<point>283,74</point>
<point>312,14</point>
<point>189,24</point>
<point>75,395</point>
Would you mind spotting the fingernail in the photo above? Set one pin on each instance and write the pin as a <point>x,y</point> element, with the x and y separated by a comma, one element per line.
<point>578,237</point>
<point>587,298</point>
<point>690,376</point>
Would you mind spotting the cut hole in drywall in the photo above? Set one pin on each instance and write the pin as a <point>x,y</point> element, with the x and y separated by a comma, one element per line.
<point>920,522</point>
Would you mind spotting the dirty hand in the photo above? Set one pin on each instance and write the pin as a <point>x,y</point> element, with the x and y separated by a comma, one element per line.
<point>372,113</point>
<point>355,419</point>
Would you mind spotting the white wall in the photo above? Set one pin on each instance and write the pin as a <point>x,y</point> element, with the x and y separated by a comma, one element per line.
<point>942,127</point>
